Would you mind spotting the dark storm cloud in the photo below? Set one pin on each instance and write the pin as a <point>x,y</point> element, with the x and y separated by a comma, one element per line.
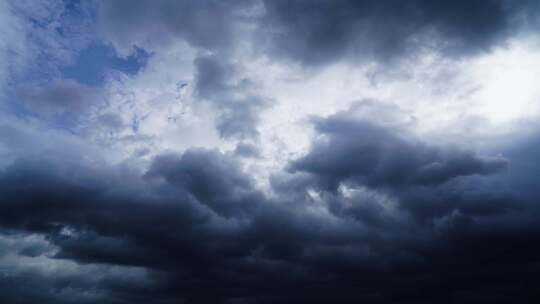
<point>185,187</point>
<point>428,181</point>
<point>211,178</point>
<point>233,96</point>
<point>205,233</point>
<point>111,216</point>
<point>33,286</point>
<point>363,153</point>
<point>369,214</point>
<point>321,31</point>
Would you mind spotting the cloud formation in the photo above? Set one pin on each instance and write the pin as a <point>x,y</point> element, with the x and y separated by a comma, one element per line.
<point>203,24</point>
<point>366,154</point>
<point>316,32</point>
<point>234,97</point>
<point>59,97</point>
<point>225,157</point>
<point>199,223</point>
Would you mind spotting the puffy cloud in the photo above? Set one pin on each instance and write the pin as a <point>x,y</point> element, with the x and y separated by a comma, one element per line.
<point>315,32</point>
<point>125,192</point>
<point>356,151</point>
<point>211,178</point>
<point>321,31</point>
<point>197,222</point>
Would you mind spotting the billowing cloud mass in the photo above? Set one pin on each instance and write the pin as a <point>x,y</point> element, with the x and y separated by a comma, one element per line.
<point>258,151</point>
<point>320,31</point>
<point>364,154</point>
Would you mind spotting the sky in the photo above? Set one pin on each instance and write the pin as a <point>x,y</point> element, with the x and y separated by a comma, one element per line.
<point>269,151</point>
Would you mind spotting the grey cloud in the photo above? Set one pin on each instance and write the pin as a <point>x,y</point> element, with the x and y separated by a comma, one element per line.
<point>315,32</point>
<point>214,77</point>
<point>62,96</point>
<point>197,223</point>
<point>148,24</point>
<point>233,96</point>
<point>321,31</point>
<point>111,121</point>
<point>240,120</point>
<point>366,154</point>
<point>213,180</point>
<point>370,214</point>
<point>386,163</point>
<point>29,273</point>
<point>246,150</point>
<point>459,164</point>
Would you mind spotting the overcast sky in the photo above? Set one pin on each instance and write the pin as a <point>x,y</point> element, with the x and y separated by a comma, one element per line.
<point>280,151</point>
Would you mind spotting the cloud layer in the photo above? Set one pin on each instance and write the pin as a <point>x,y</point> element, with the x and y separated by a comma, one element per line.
<point>360,218</point>
<point>266,152</point>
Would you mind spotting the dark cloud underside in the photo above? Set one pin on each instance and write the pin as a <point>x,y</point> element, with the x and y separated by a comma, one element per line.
<point>315,32</point>
<point>198,222</point>
<point>320,31</point>
<point>370,213</point>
